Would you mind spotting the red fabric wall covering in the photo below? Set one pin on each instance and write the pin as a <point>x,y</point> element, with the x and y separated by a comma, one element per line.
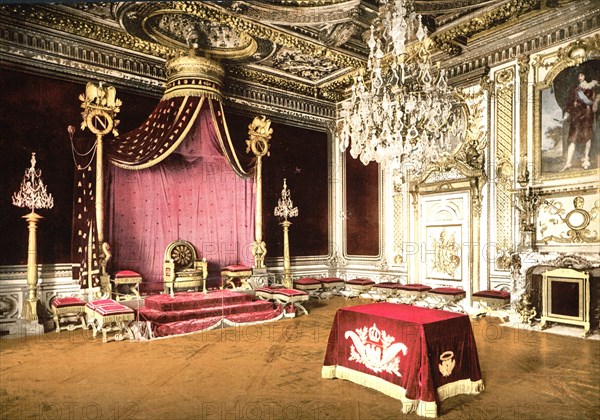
<point>192,195</point>
<point>300,155</point>
<point>35,112</point>
<point>362,208</point>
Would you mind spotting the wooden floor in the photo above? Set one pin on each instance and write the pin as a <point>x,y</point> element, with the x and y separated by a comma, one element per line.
<point>273,371</point>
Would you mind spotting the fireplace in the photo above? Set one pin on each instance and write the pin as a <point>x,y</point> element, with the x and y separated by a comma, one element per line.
<point>527,270</point>
<point>566,298</point>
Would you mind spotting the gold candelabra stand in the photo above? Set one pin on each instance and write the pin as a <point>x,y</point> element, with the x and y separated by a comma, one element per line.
<point>285,208</point>
<point>259,133</point>
<point>32,195</point>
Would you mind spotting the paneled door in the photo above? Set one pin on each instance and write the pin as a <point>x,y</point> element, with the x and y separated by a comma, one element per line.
<point>444,239</point>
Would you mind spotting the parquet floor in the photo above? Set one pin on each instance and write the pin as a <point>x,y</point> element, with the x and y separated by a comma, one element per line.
<point>273,371</point>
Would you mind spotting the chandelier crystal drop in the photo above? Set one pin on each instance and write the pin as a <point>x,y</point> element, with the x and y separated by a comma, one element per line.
<point>402,112</point>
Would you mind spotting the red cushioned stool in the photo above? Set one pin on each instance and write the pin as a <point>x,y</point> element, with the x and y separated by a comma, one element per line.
<point>448,294</point>
<point>310,285</point>
<point>129,281</point>
<point>70,311</point>
<point>492,302</point>
<point>291,298</point>
<point>264,293</point>
<point>332,284</point>
<point>235,274</point>
<point>113,317</point>
<point>358,286</point>
<point>387,289</point>
<point>413,291</point>
<point>90,311</point>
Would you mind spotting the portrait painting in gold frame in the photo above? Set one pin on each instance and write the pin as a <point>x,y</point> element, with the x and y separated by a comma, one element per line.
<point>569,142</point>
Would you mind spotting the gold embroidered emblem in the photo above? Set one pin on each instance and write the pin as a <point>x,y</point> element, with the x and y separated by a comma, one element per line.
<point>447,363</point>
<point>376,349</point>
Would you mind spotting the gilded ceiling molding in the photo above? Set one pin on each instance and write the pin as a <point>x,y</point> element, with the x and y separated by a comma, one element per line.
<point>211,13</point>
<point>572,55</point>
<point>292,13</point>
<point>446,40</point>
<point>58,20</point>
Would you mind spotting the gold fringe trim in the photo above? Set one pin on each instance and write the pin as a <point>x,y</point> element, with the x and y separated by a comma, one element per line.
<point>422,408</point>
<point>464,386</point>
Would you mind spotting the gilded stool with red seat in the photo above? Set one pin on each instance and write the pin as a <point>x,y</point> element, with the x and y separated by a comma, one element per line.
<point>310,285</point>
<point>129,281</point>
<point>68,313</point>
<point>108,316</point>
<point>387,289</point>
<point>358,286</point>
<point>332,284</point>
<point>235,274</point>
<point>492,302</point>
<point>449,294</point>
<point>286,297</point>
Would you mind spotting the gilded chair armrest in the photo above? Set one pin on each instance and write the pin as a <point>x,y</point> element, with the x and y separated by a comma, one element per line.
<point>169,271</point>
<point>202,265</point>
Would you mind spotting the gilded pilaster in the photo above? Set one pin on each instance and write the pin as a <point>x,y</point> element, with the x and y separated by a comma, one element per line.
<point>505,90</point>
<point>399,226</point>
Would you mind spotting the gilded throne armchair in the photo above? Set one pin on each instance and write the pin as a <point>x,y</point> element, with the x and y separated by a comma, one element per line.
<point>182,269</point>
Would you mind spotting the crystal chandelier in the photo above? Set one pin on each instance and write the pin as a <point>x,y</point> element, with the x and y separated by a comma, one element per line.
<point>405,112</point>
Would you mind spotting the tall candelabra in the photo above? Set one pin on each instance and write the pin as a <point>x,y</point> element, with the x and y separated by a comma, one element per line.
<point>285,208</point>
<point>32,195</point>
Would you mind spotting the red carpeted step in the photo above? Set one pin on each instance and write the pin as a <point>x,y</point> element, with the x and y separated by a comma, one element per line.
<point>147,314</point>
<point>194,325</point>
<point>195,300</point>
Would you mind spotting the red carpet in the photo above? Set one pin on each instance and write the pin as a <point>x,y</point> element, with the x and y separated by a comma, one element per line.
<point>190,312</point>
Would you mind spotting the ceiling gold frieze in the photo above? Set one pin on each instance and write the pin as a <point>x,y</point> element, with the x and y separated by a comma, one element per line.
<point>212,13</point>
<point>449,40</point>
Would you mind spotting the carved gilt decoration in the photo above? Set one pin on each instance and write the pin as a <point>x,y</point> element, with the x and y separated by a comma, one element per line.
<point>577,225</point>
<point>504,93</point>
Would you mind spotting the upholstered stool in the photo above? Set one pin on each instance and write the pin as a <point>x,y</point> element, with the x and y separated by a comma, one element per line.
<point>448,294</point>
<point>386,289</point>
<point>113,318</point>
<point>291,297</point>
<point>70,311</point>
<point>309,285</point>
<point>332,284</point>
<point>264,293</point>
<point>414,290</point>
<point>491,302</point>
<point>236,272</point>
<point>128,278</point>
<point>358,286</point>
<point>90,311</point>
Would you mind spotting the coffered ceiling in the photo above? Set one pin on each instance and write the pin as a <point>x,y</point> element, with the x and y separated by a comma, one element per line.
<point>308,47</point>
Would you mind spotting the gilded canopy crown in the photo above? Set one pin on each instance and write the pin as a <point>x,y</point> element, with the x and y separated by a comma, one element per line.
<point>192,75</point>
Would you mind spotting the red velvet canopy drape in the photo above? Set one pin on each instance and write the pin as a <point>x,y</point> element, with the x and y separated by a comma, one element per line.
<point>177,176</point>
<point>193,194</point>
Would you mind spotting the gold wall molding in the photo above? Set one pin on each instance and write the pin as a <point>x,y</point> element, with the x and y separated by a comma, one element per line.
<point>573,23</point>
<point>504,93</point>
<point>508,12</point>
<point>61,21</point>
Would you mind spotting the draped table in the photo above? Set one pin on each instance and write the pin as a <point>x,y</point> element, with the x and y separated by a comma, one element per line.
<point>417,355</point>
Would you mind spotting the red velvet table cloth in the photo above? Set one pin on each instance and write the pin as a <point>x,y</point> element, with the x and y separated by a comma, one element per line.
<point>420,356</point>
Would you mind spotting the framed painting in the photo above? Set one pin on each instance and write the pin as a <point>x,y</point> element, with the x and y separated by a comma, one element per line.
<point>569,122</point>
